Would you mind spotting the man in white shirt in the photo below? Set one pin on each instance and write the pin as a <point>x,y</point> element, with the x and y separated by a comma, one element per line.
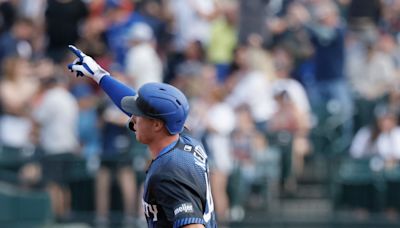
<point>192,21</point>
<point>142,61</point>
<point>253,89</point>
<point>56,118</point>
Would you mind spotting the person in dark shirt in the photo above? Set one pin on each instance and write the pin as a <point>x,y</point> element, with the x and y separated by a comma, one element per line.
<point>56,14</point>
<point>177,190</point>
<point>8,15</point>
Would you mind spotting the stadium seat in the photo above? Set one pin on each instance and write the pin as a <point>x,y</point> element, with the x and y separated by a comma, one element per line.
<point>11,158</point>
<point>392,183</point>
<point>282,141</point>
<point>23,208</point>
<point>357,185</point>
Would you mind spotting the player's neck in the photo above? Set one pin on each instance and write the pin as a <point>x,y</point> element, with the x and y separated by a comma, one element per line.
<point>158,145</point>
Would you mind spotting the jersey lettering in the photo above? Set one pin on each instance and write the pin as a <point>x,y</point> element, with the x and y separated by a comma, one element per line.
<point>148,208</point>
<point>209,200</point>
<point>200,157</point>
<point>184,208</point>
<point>201,160</point>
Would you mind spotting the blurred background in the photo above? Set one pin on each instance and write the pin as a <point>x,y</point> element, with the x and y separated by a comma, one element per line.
<point>296,101</point>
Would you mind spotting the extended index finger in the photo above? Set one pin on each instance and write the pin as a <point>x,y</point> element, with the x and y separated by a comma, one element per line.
<point>77,52</point>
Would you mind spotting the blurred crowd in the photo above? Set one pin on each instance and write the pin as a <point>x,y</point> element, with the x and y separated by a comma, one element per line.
<point>270,83</point>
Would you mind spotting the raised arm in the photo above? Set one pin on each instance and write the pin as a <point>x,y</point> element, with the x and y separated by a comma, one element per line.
<point>85,65</point>
<point>116,90</point>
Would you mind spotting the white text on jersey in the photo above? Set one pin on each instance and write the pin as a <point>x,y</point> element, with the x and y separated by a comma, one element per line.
<point>148,208</point>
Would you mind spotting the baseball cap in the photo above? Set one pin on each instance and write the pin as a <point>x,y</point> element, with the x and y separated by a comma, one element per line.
<point>159,101</point>
<point>140,32</point>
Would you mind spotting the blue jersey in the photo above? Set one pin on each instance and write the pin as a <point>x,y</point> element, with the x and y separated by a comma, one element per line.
<point>177,189</point>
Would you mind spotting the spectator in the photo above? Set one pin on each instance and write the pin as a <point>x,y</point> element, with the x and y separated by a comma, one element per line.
<point>251,88</point>
<point>120,17</point>
<point>259,58</point>
<point>56,116</point>
<point>191,28</point>
<point>394,98</point>
<point>192,21</point>
<point>283,63</point>
<point>32,10</point>
<point>88,120</point>
<point>18,40</point>
<point>115,162</point>
<point>156,15</point>
<point>288,32</point>
<point>371,73</point>
<point>142,62</point>
<point>330,92</point>
<point>378,143</point>
<point>391,18</point>
<point>220,123</point>
<point>218,119</point>
<point>92,38</point>
<point>189,69</point>
<point>293,114</point>
<point>8,15</point>
<point>374,149</point>
<point>380,139</point>
<point>388,45</point>
<point>65,14</point>
<point>253,15</point>
<point>364,17</point>
<point>17,88</point>
<point>223,39</point>
<point>244,154</point>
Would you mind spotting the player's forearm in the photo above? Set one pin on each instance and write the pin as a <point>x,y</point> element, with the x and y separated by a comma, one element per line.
<point>116,90</point>
<point>85,65</point>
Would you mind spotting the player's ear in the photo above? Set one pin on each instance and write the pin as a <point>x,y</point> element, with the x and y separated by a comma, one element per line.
<point>158,125</point>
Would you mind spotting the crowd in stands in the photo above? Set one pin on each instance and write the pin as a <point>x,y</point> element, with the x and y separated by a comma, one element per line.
<point>270,84</point>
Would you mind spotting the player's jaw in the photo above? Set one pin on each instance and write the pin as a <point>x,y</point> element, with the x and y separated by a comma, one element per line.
<point>144,129</point>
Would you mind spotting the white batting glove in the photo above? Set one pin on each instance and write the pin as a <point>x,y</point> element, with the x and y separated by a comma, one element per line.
<point>85,65</point>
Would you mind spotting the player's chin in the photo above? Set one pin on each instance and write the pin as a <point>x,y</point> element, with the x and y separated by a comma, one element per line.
<point>145,140</point>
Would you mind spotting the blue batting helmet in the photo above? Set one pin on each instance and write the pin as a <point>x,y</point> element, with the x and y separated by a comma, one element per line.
<point>159,101</point>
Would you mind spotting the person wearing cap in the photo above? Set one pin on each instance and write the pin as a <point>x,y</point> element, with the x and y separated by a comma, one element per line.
<point>177,190</point>
<point>142,63</point>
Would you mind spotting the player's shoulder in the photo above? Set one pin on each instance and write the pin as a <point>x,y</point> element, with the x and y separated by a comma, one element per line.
<point>189,141</point>
<point>188,147</point>
<point>182,157</point>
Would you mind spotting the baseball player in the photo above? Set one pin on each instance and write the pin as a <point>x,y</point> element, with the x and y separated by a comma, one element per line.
<point>177,190</point>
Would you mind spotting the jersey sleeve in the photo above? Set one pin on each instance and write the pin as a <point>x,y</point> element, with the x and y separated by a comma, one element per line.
<point>116,90</point>
<point>180,201</point>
